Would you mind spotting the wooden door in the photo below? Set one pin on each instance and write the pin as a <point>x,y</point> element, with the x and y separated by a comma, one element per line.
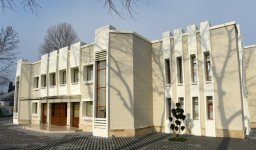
<point>59,114</point>
<point>75,117</point>
<point>44,113</point>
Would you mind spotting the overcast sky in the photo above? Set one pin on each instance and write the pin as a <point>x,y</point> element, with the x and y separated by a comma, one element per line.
<point>151,19</point>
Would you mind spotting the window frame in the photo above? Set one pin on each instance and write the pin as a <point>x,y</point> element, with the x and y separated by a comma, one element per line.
<point>36,80</point>
<point>52,79</point>
<point>179,64</point>
<point>43,81</point>
<point>167,71</point>
<point>63,80</point>
<point>194,68</point>
<point>74,72</point>
<point>208,67</point>
<point>84,112</point>
<point>194,101</point>
<point>169,104</point>
<point>209,100</point>
<point>85,73</point>
<point>100,87</point>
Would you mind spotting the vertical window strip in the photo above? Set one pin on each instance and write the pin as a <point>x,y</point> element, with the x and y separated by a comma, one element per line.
<point>195,108</point>
<point>208,66</point>
<point>179,70</point>
<point>167,71</point>
<point>193,62</point>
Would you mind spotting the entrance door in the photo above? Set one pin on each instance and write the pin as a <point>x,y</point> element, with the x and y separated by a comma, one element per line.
<point>75,117</point>
<point>59,114</point>
<point>44,113</point>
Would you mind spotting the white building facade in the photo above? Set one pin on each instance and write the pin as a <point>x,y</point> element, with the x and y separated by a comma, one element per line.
<point>125,85</point>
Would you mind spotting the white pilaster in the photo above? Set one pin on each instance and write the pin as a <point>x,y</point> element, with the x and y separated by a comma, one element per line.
<point>168,88</point>
<point>178,52</point>
<point>194,87</point>
<point>69,111</point>
<point>49,112</point>
<point>210,129</point>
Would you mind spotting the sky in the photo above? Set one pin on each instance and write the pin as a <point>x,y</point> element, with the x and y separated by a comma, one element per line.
<point>151,19</point>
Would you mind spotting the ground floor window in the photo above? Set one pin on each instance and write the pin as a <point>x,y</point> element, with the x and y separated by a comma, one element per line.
<point>195,108</point>
<point>209,107</point>
<point>76,109</point>
<point>88,109</point>
<point>169,103</point>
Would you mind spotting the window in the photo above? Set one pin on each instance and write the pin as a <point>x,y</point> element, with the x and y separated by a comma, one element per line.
<point>167,71</point>
<point>34,108</point>
<point>74,75</point>
<point>208,67</point>
<point>76,109</point>
<point>195,108</point>
<point>63,76</point>
<point>52,79</point>
<point>179,70</point>
<point>43,80</point>
<point>181,101</point>
<point>36,82</point>
<point>101,90</point>
<point>193,68</point>
<point>88,109</point>
<point>169,103</point>
<point>88,73</point>
<point>209,107</point>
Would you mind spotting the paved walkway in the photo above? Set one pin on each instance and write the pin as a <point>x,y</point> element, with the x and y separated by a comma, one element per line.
<point>14,137</point>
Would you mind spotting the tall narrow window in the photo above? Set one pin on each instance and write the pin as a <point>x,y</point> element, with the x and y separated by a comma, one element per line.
<point>181,101</point>
<point>179,70</point>
<point>74,75</point>
<point>169,103</point>
<point>43,80</point>
<point>167,71</point>
<point>101,89</point>
<point>52,79</point>
<point>195,108</point>
<point>88,73</point>
<point>89,109</point>
<point>209,107</point>
<point>63,77</point>
<point>208,66</point>
<point>36,82</point>
<point>193,68</point>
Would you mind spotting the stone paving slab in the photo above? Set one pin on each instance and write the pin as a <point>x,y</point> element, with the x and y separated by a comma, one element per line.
<point>14,137</point>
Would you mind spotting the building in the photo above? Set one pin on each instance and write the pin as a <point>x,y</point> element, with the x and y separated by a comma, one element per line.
<point>125,85</point>
<point>6,104</point>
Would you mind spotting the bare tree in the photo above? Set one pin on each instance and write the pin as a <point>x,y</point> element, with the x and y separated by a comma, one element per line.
<point>127,4</point>
<point>8,43</point>
<point>58,36</point>
<point>33,5</point>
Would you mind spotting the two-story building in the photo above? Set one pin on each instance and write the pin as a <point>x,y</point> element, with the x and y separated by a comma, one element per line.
<point>123,84</point>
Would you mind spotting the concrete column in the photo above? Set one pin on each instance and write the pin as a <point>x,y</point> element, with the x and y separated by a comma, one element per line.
<point>49,113</point>
<point>69,114</point>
